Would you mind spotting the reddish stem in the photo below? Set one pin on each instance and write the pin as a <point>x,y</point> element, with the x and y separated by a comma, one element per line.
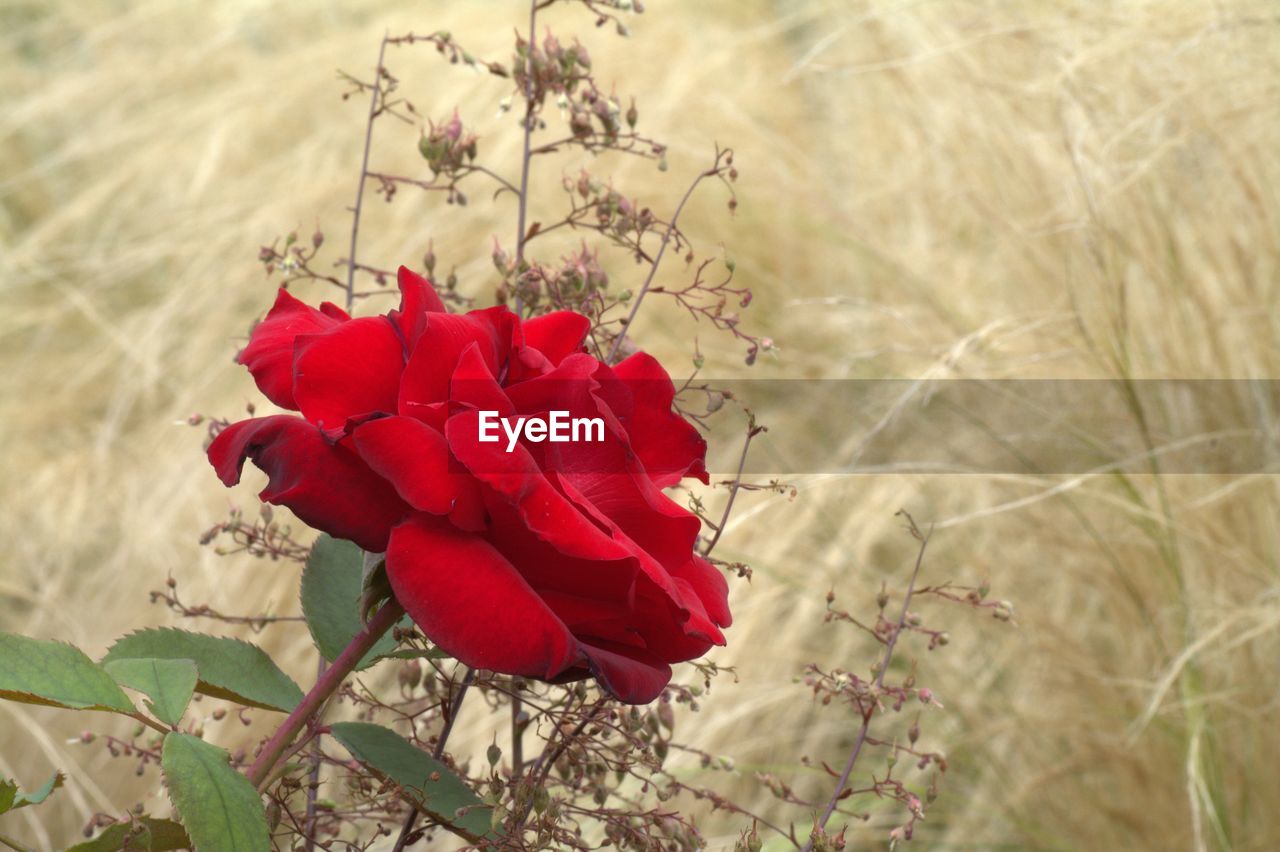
<point>325,687</point>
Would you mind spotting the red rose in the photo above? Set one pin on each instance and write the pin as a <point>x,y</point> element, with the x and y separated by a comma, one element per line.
<point>556,561</point>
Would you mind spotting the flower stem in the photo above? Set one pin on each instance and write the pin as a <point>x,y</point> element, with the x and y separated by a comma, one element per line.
<point>327,684</point>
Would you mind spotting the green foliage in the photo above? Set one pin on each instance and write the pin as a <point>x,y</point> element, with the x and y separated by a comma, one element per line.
<point>220,809</point>
<point>331,592</point>
<point>57,675</point>
<point>168,683</point>
<point>425,781</point>
<point>416,654</point>
<point>228,668</point>
<point>11,798</point>
<point>141,834</point>
<point>375,587</point>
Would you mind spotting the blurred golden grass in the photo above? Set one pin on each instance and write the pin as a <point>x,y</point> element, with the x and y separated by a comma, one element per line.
<point>1039,188</point>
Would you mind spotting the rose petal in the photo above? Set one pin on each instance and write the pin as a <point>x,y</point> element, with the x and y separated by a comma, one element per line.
<point>569,387</point>
<point>516,477</point>
<point>668,637</point>
<point>607,482</point>
<point>474,386</point>
<point>438,351</point>
<point>709,584</point>
<point>589,618</point>
<point>415,459</point>
<point>603,480</point>
<point>269,355</point>
<point>547,569</point>
<point>631,675</point>
<point>326,485</point>
<point>350,371</point>
<point>418,298</point>
<point>669,446</point>
<point>658,533</point>
<point>471,602</point>
<point>557,334</point>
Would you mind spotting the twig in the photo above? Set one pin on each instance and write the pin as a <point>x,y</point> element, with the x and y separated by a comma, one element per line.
<point>547,759</point>
<point>313,778</point>
<point>752,431</point>
<point>879,683</point>
<point>364,173</point>
<point>517,738</point>
<point>662,248</point>
<point>14,845</point>
<point>528,136</point>
<point>437,753</point>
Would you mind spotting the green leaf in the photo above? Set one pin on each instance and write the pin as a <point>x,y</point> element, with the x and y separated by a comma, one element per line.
<point>168,683</point>
<point>374,585</point>
<point>425,781</point>
<point>331,589</point>
<point>218,806</point>
<point>57,675</point>
<point>11,798</point>
<point>143,834</point>
<point>416,654</point>
<point>228,668</point>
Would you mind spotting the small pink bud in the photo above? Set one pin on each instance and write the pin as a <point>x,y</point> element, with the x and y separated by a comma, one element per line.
<point>453,130</point>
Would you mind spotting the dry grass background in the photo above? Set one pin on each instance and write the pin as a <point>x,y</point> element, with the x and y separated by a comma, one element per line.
<point>1031,188</point>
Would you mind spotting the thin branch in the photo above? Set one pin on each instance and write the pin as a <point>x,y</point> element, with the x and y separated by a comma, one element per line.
<point>662,248</point>
<point>437,753</point>
<point>626,143</point>
<point>433,186</point>
<point>752,431</point>
<point>467,679</point>
<point>546,761</point>
<point>528,136</point>
<point>14,845</point>
<point>879,684</point>
<point>313,778</point>
<point>364,173</point>
<point>506,184</point>
<point>517,738</point>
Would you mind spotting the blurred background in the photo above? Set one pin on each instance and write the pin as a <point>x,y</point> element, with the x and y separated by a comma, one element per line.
<point>1025,189</point>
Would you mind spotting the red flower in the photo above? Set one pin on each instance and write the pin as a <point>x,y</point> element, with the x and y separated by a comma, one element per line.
<point>556,561</point>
